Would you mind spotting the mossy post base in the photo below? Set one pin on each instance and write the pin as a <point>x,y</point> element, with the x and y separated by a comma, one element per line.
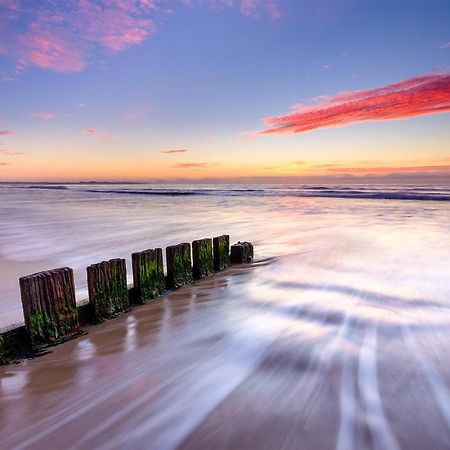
<point>179,269</point>
<point>108,292</point>
<point>241,253</point>
<point>221,250</point>
<point>49,307</point>
<point>148,275</point>
<point>202,258</point>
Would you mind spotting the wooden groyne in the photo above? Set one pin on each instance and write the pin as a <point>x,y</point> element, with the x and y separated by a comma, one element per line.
<point>49,307</point>
<point>48,298</point>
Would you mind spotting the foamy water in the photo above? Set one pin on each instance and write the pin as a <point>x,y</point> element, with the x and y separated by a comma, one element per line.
<point>336,338</point>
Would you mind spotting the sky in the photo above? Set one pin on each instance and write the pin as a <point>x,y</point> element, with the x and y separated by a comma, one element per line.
<point>225,90</point>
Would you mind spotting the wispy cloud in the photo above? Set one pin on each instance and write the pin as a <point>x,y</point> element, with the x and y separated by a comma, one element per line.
<point>171,152</point>
<point>67,36</point>
<point>446,45</point>
<point>6,78</point>
<point>201,165</point>
<point>6,152</point>
<point>63,37</point>
<point>42,115</point>
<point>427,94</point>
<point>254,8</point>
<point>6,132</point>
<point>4,164</point>
<point>95,133</point>
<point>130,116</point>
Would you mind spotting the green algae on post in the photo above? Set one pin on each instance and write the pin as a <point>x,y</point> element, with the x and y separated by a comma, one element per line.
<point>148,275</point>
<point>202,258</point>
<point>108,291</point>
<point>221,250</point>
<point>241,253</point>
<point>49,307</point>
<point>179,269</point>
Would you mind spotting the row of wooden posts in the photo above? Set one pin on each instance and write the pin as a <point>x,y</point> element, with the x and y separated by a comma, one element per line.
<point>48,298</point>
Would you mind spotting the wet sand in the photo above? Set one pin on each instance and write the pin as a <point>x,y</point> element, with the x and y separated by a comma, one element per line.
<point>217,365</point>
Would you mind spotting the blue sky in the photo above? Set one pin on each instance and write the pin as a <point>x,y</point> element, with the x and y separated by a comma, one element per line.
<point>204,78</point>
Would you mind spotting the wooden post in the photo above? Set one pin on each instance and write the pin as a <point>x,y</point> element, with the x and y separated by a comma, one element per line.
<point>148,275</point>
<point>221,247</point>
<point>49,306</point>
<point>179,269</point>
<point>241,253</point>
<point>108,292</point>
<point>202,258</point>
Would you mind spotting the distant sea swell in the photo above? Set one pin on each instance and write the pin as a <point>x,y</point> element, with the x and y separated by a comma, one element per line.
<point>378,192</point>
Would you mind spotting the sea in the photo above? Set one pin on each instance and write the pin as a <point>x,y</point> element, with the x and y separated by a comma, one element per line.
<point>336,337</point>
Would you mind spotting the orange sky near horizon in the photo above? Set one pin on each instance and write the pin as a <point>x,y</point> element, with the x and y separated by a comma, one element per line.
<point>117,168</point>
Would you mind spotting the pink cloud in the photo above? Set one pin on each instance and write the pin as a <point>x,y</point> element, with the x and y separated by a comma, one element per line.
<point>253,8</point>
<point>273,10</point>
<point>170,152</point>
<point>427,94</point>
<point>6,132</point>
<point>446,45</point>
<point>43,115</point>
<point>117,26</point>
<point>4,164</point>
<point>47,50</point>
<point>63,37</point>
<point>10,5</point>
<point>95,133</point>
<point>67,36</point>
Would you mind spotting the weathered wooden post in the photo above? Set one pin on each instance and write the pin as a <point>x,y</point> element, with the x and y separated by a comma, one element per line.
<point>241,253</point>
<point>179,269</point>
<point>148,275</point>
<point>202,258</point>
<point>221,248</point>
<point>49,306</point>
<point>108,292</point>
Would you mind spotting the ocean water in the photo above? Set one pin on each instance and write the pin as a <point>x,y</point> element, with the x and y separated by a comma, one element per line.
<point>337,337</point>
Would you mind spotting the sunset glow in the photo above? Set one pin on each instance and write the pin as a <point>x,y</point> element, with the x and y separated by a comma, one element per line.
<point>429,94</point>
<point>174,90</point>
